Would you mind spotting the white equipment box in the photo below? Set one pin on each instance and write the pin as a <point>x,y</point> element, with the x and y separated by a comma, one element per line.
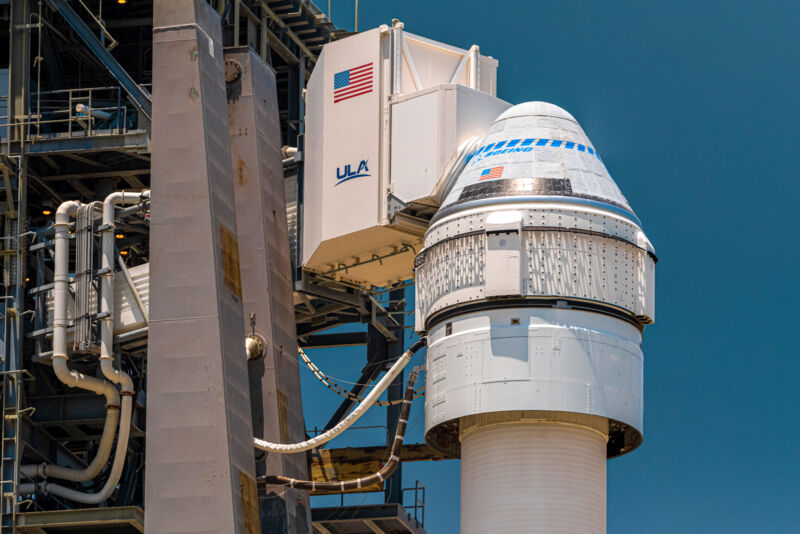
<point>386,113</point>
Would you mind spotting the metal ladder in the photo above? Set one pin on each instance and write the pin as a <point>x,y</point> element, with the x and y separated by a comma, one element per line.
<point>12,376</point>
<point>9,450</point>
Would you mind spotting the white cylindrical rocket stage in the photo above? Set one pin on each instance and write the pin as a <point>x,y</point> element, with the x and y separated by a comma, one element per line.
<point>548,476</point>
<point>534,288</point>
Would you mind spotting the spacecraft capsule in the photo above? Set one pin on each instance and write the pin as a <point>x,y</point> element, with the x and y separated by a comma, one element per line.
<point>534,288</point>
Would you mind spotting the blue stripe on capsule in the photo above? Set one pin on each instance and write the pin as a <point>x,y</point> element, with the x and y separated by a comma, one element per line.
<point>494,149</point>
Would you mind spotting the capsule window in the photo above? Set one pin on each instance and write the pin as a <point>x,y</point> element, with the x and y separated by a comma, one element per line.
<point>448,329</point>
<point>515,321</point>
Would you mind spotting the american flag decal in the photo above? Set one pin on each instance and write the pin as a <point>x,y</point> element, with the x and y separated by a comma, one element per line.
<point>352,82</point>
<point>488,174</point>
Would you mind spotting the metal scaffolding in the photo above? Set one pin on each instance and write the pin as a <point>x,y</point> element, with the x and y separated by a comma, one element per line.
<point>78,125</point>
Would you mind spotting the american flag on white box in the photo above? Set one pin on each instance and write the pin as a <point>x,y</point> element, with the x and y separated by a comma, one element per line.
<point>352,82</point>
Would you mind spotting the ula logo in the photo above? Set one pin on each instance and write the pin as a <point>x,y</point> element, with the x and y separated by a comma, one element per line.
<point>347,173</point>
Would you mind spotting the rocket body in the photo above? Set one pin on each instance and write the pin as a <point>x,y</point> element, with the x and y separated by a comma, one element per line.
<point>534,288</point>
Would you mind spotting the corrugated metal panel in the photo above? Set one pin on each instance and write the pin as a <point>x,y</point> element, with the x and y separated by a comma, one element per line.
<point>127,316</point>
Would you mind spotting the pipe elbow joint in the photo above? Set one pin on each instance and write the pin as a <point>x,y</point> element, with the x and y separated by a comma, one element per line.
<point>65,211</point>
<point>63,372</point>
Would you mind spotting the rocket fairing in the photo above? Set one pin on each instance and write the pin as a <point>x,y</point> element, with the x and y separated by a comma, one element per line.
<point>534,288</point>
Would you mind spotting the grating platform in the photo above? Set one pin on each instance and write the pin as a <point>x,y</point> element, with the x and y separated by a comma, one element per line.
<point>111,520</point>
<point>368,519</point>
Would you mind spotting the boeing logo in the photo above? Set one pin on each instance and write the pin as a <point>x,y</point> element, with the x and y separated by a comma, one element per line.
<point>346,173</point>
<point>527,145</point>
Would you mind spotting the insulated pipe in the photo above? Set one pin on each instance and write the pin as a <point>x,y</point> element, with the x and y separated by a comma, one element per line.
<point>376,478</point>
<point>96,113</point>
<point>107,289</point>
<point>345,423</point>
<point>113,478</point>
<point>103,450</point>
<point>62,371</point>
<point>106,360</point>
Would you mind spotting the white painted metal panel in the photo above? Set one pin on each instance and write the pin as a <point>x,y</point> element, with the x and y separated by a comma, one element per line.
<point>343,146</point>
<point>540,140</point>
<point>127,315</point>
<point>552,360</point>
<point>427,128</point>
<point>426,63</point>
<point>541,263</point>
<point>364,153</point>
<point>533,478</point>
<point>416,130</point>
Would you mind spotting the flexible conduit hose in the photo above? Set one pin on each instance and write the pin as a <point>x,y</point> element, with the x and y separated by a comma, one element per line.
<point>384,473</point>
<point>352,417</point>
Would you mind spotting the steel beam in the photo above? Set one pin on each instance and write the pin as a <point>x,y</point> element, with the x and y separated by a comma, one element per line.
<point>39,444</point>
<point>139,96</point>
<point>376,359</point>
<point>134,140</point>
<point>393,487</point>
<point>115,518</point>
<point>326,341</point>
<point>19,71</point>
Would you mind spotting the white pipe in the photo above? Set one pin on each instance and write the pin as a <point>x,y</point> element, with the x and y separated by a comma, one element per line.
<point>351,418</point>
<point>61,368</point>
<point>106,344</point>
<point>103,449</point>
<point>96,113</point>
<point>107,289</point>
<point>113,478</point>
<point>61,275</point>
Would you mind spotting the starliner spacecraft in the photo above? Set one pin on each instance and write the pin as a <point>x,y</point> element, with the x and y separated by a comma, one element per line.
<point>534,287</point>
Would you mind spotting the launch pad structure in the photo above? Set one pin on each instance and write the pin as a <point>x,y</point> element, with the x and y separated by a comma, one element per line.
<point>81,122</point>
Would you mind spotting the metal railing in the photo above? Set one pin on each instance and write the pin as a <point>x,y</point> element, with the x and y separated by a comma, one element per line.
<point>419,502</point>
<point>55,113</point>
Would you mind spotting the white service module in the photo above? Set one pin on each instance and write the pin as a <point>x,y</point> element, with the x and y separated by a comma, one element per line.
<point>386,112</point>
<point>534,287</point>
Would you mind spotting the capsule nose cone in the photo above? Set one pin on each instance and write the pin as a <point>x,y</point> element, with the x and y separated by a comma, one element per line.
<point>537,109</point>
<point>533,152</point>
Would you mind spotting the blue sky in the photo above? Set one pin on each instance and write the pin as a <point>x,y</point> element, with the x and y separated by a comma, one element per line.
<point>695,107</point>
